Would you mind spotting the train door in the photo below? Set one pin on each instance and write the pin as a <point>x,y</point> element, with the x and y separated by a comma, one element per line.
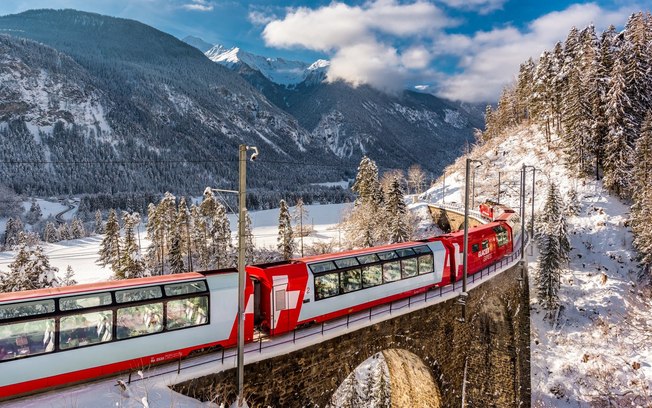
<point>257,289</point>
<point>279,303</point>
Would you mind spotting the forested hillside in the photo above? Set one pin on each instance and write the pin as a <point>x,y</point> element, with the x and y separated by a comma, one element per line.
<point>120,106</point>
<point>97,105</point>
<point>594,91</point>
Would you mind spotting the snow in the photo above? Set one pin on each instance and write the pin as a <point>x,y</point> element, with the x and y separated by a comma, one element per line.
<point>81,254</point>
<point>278,70</point>
<point>599,351</point>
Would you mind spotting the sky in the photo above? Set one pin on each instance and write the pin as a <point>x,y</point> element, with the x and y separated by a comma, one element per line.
<point>464,50</point>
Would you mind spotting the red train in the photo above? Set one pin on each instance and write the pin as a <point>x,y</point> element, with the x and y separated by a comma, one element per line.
<point>53,337</point>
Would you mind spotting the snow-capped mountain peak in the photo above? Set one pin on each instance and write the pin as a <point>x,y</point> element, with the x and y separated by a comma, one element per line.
<point>278,70</point>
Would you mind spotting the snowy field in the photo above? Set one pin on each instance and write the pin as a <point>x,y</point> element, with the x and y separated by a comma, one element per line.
<point>81,254</point>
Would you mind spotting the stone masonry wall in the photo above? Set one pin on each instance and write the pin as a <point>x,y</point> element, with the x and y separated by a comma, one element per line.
<point>494,343</point>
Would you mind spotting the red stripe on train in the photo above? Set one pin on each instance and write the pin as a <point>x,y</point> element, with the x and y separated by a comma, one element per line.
<point>41,384</point>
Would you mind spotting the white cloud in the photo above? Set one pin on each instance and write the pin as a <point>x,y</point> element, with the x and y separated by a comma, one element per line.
<point>260,18</point>
<point>490,59</point>
<point>359,37</point>
<point>198,5</point>
<point>480,6</point>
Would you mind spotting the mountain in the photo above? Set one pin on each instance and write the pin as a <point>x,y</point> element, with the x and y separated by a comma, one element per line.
<point>197,42</point>
<point>277,70</point>
<point>106,104</point>
<point>94,104</point>
<point>397,130</point>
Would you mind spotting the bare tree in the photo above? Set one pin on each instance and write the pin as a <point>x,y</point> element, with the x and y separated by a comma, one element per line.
<point>416,178</point>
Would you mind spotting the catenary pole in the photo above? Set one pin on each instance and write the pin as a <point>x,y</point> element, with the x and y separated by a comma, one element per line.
<point>242,193</point>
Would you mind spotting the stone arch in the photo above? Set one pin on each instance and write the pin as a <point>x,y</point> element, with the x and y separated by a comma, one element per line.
<point>392,377</point>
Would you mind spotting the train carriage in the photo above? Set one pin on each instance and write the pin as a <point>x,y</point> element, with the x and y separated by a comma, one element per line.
<point>52,337</point>
<point>324,287</point>
<point>487,244</point>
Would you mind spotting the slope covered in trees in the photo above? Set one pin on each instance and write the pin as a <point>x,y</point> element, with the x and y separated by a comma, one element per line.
<point>594,91</point>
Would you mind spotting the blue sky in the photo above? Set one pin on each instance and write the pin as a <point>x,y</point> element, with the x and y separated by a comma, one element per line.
<point>460,49</point>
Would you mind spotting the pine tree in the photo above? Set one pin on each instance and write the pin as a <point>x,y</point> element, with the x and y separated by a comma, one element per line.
<point>183,229</point>
<point>618,152</point>
<point>573,205</point>
<point>64,232</point>
<point>34,214</point>
<point>285,241</point>
<point>524,89</point>
<point>68,278</point>
<point>199,238</point>
<point>176,256</point>
<point>553,245</point>
<point>77,229</point>
<point>13,229</point>
<point>249,240</point>
<point>541,102</point>
<point>30,270</point>
<point>363,225</point>
<point>99,226</point>
<point>489,124</point>
<point>130,265</point>
<point>222,248</point>
<point>50,233</point>
<point>110,245</point>
<point>642,196</point>
<point>397,222</point>
<point>366,184</point>
<point>637,69</point>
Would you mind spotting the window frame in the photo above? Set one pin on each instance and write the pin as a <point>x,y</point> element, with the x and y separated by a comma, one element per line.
<point>58,314</point>
<point>415,252</point>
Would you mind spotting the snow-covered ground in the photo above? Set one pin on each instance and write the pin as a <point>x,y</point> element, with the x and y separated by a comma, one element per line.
<point>81,254</point>
<point>599,350</point>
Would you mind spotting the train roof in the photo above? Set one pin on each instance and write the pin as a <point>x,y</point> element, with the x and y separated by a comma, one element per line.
<point>99,286</point>
<point>337,255</point>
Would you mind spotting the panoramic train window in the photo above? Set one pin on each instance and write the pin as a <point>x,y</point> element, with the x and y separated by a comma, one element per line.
<point>187,312</point>
<point>422,249</point>
<point>134,295</point>
<point>346,262</point>
<point>26,309</point>
<point>85,301</point>
<point>386,256</point>
<point>391,271</point>
<point>322,267</point>
<point>326,285</point>
<point>350,280</point>
<point>85,328</point>
<point>426,264</point>
<point>372,275</point>
<point>405,252</point>
<point>26,338</point>
<point>409,267</point>
<point>139,320</point>
<point>367,259</point>
<point>185,288</point>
